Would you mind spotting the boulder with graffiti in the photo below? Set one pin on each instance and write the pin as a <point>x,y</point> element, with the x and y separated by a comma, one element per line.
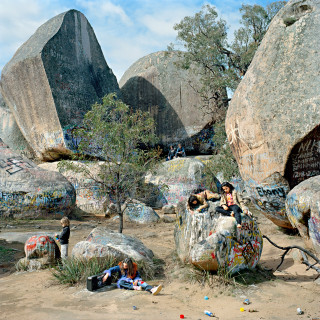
<point>41,251</point>
<point>182,176</point>
<point>103,242</point>
<point>29,191</point>
<point>210,241</point>
<point>137,211</point>
<point>303,211</point>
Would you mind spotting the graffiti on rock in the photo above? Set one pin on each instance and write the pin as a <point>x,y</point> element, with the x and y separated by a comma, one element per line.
<point>15,164</point>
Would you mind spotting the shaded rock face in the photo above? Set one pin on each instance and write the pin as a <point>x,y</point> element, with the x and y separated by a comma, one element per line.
<point>89,195</point>
<point>155,84</point>
<point>137,211</point>
<point>182,176</point>
<point>103,242</point>
<point>52,81</point>
<point>210,241</point>
<point>273,119</point>
<point>28,191</point>
<point>303,211</point>
<point>10,132</point>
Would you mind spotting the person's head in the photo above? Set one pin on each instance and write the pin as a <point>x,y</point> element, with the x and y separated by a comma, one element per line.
<point>171,147</point>
<point>193,201</point>
<point>65,222</point>
<point>179,145</point>
<point>227,187</point>
<point>127,265</point>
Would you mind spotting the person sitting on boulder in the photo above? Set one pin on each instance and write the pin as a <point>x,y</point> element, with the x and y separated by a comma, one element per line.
<point>180,151</point>
<point>200,200</point>
<point>171,154</point>
<point>129,277</point>
<point>231,203</point>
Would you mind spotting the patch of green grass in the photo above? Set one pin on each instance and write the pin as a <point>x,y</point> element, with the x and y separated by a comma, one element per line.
<point>6,254</point>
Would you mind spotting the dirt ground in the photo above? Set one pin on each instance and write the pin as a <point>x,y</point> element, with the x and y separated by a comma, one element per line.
<point>274,295</point>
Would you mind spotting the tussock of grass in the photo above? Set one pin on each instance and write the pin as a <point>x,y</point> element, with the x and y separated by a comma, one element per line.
<point>75,271</point>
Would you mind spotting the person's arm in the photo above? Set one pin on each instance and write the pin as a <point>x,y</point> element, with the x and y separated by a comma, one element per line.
<point>243,207</point>
<point>137,278</point>
<point>204,203</point>
<point>63,235</point>
<point>109,272</point>
<point>223,202</point>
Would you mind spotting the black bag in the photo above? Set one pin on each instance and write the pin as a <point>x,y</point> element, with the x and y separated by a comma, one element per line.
<point>95,282</point>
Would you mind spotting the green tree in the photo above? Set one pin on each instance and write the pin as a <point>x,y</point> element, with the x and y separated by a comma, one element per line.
<point>122,137</point>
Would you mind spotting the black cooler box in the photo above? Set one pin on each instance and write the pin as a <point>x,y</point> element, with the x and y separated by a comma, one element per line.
<point>95,282</point>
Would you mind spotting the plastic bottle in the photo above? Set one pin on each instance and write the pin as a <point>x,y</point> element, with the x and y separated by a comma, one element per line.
<point>208,313</point>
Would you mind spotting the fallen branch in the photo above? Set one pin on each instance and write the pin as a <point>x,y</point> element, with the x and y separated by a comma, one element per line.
<point>303,253</point>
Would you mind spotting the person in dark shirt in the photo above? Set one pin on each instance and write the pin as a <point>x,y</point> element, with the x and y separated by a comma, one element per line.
<point>63,237</point>
<point>172,153</point>
<point>180,151</point>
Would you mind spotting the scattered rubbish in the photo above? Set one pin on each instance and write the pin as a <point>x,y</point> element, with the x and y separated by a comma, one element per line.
<point>253,310</point>
<point>181,316</point>
<point>241,309</point>
<point>299,311</point>
<point>155,302</point>
<point>208,313</point>
<point>246,301</point>
<point>134,308</point>
<point>206,298</point>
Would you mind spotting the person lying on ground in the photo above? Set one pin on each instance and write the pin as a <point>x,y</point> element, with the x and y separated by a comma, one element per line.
<point>200,200</point>
<point>231,203</point>
<point>129,277</point>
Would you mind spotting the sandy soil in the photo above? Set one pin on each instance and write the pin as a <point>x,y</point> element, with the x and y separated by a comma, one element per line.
<point>35,295</point>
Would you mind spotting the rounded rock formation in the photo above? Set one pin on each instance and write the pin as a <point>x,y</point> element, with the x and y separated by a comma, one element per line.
<point>156,84</point>
<point>273,120</point>
<point>53,80</point>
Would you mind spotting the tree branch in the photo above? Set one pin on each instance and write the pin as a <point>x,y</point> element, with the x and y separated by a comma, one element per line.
<point>303,253</point>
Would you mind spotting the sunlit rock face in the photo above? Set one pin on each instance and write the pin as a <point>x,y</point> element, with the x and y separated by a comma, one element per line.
<point>52,81</point>
<point>273,119</point>
<point>170,94</point>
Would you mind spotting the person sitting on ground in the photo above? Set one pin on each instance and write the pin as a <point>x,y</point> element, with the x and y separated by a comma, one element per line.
<point>231,203</point>
<point>180,151</point>
<point>171,154</point>
<point>129,277</point>
<point>200,200</point>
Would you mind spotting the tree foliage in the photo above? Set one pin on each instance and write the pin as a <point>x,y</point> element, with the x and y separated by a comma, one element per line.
<point>122,137</point>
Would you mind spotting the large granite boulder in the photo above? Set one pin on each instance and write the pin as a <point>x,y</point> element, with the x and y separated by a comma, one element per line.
<point>210,241</point>
<point>182,176</point>
<point>52,81</point>
<point>156,84</point>
<point>137,211</point>
<point>103,242</point>
<point>273,118</point>
<point>90,197</point>
<point>10,132</point>
<point>41,251</point>
<point>29,191</point>
<point>303,210</point>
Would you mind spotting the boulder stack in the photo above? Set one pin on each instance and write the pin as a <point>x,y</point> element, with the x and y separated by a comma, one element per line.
<point>273,119</point>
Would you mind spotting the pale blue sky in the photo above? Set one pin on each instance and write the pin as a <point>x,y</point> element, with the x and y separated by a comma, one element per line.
<point>126,29</point>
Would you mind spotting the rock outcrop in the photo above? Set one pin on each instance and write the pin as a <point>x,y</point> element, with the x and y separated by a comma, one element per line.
<point>182,176</point>
<point>52,81</point>
<point>89,195</point>
<point>210,241</point>
<point>303,211</point>
<point>41,251</point>
<point>136,211</point>
<point>156,84</point>
<point>103,242</point>
<point>273,119</point>
<point>29,191</point>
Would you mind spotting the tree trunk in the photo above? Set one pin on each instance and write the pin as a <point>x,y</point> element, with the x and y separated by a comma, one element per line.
<point>118,203</point>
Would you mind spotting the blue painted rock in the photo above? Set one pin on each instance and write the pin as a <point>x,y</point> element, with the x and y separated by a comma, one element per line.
<point>273,118</point>
<point>103,242</point>
<point>137,211</point>
<point>53,80</point>
<point>29,191</point>
<point>209,241</point>
<point>303,211</point>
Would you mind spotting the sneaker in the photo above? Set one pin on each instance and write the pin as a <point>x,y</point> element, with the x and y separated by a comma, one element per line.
<point>156,290</point>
